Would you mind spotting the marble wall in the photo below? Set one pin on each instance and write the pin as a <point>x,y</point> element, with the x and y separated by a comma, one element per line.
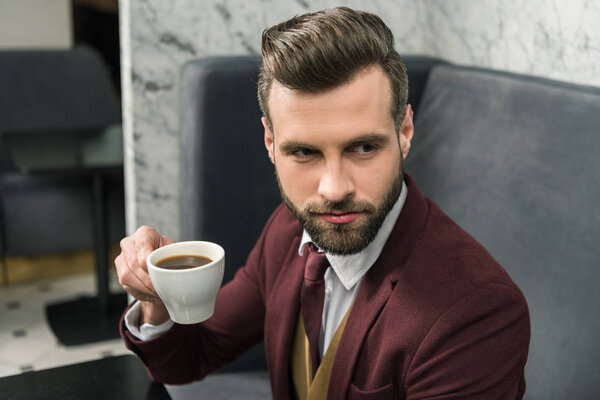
<point>549,38</point>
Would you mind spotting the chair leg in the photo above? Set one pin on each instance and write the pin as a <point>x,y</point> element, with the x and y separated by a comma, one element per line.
<point>3,246</point>
<point>4,271</point>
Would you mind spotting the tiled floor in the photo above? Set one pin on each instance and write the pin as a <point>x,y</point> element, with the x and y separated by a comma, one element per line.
<point>26,341</point>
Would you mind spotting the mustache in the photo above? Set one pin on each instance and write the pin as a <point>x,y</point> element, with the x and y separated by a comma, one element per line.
<point>347,205</point>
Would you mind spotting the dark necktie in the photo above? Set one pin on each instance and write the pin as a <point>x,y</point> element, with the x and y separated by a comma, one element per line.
<point>312,299</point>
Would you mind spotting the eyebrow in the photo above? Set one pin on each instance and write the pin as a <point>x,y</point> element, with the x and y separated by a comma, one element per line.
<point>376,138</point>
<point>292,145</point>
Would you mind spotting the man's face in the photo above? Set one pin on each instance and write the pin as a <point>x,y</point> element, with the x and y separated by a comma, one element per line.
<point>338,158</point>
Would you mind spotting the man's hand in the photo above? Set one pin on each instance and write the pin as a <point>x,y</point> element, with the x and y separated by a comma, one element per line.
<point>133,272</point>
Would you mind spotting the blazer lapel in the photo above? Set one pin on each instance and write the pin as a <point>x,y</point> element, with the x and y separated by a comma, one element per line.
<point>372,296</point>
<point>283,306</point>
<point>377,288</point>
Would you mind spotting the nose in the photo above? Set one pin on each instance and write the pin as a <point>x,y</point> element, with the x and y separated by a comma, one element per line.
<point>336,183</point>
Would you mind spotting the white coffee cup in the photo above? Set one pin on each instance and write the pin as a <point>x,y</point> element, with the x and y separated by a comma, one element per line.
<point>189,294</point>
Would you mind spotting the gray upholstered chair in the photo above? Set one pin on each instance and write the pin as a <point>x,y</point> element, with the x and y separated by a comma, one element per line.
<point>515,161</point>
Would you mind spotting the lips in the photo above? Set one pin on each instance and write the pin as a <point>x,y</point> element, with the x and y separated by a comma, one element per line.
<point>340,217</point>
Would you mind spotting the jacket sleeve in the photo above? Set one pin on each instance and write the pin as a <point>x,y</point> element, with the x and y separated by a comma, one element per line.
<point>187,353</point>
<point>476,349</point>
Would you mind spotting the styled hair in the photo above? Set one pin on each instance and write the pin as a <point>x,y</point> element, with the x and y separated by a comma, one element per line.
<point>320,51</point>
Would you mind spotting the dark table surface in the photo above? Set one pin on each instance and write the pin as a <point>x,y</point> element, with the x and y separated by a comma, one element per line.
<point>124,377</point>
<point>121,377</point>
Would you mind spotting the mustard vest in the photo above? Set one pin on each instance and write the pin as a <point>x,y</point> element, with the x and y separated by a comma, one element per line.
<point>306,386</point>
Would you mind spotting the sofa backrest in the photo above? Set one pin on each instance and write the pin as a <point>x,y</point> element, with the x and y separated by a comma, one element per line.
<point>228,187</point>
<point>515,161</point>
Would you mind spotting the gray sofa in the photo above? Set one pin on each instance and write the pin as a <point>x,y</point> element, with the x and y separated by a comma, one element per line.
<point>57,91</point>
<point>512,158</point>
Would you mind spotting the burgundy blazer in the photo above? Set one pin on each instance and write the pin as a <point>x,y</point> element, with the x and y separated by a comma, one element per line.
<point>436,317</point>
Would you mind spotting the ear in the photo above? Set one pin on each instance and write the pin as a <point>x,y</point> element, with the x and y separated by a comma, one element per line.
<point>407,130</point>
<point>268,139</point>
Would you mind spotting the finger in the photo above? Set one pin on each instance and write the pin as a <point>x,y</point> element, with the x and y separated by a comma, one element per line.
<point>164,240</point>
<point>128,251</point>
<point>141,284</point>
<point>130,279</point>
<point>141,296</point>
<point>142,252</point>
<point>147,234</point>
<point>130,272</point>
<point>146,241</point>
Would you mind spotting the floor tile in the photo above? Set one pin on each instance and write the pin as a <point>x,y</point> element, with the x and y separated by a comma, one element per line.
<point>26,341</point>
<point>61,355</point>
<point>23,350</point>
<point>7,369</point>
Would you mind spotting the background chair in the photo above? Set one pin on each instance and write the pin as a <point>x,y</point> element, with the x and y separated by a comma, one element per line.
<point>69,92</point>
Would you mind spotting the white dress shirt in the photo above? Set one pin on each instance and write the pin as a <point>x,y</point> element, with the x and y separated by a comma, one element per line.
<point>342,281</point>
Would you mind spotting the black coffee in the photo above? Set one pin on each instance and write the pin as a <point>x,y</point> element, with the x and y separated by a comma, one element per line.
<point>183,262</point>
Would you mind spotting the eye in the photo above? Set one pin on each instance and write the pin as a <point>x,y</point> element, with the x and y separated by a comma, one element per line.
<point>302,153</point>
<point>364,148</point>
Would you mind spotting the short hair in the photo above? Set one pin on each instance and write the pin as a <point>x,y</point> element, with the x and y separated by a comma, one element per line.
<point>319,51</point>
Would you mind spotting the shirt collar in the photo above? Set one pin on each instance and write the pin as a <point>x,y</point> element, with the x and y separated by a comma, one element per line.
<point>350,269</point>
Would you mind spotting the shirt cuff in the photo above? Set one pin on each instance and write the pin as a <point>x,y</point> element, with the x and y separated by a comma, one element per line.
<point>145,331</point>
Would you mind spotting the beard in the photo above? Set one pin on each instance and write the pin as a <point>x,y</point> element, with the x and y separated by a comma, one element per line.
<point>347,238</point>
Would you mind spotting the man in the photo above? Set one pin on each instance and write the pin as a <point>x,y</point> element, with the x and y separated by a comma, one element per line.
<point>407,304</point>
